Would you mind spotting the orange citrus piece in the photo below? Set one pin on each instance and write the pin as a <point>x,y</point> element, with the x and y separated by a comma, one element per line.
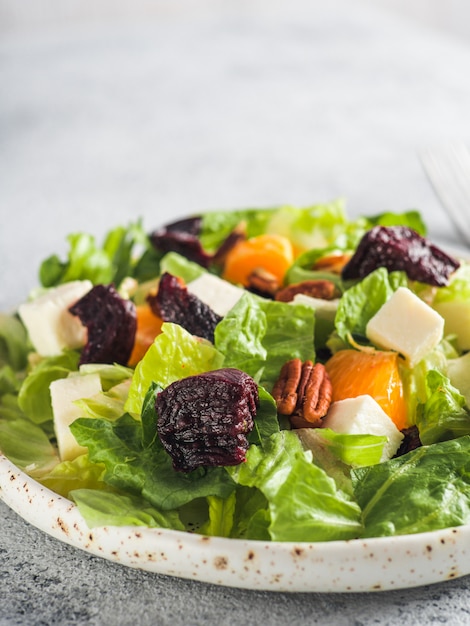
<point>354,373</point>
<point>148,327</point>
<point>273,253</point>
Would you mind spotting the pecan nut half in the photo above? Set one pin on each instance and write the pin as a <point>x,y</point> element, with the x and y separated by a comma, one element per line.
<point>303,392</point>
<point>319,288</point>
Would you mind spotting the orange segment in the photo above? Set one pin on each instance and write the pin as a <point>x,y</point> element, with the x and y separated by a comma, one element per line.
<point>148,327</point>
<point>273,253</point>
<point>354,373</point>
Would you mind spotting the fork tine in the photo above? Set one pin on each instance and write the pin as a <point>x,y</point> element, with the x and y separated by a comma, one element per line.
<point>448,169</point>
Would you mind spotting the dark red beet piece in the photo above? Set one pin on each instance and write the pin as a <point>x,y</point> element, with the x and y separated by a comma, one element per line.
<point>204,420</point>
<point>111,322</point>
<point>410,441</point>
<point>400,248</point>
<point>174,303</point>
<point>182,237</point>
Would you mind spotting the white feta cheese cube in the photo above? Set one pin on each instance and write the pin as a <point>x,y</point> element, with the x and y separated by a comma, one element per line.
<point>364,416</point>
<point>51,328</point>
<point>217,293</point>
<point>63,393</point>
<point>407,325</point>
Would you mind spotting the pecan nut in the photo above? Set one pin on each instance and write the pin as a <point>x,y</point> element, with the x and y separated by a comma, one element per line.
<point>333,263</point>
<point>263,282</point>
<point>303,392</point>
<point>319,288</point>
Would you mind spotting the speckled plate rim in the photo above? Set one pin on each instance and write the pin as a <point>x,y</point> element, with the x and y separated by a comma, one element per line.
<point>339,566</point>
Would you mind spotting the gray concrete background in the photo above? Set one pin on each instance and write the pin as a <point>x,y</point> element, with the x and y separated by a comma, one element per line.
<point>201,106</point>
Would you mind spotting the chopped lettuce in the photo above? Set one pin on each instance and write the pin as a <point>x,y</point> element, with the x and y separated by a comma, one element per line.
<point>80,473</point>
<point>426,489</point>
<point>34,398</point>
<point>444,414</point>
<point>13,342</point>
<point>259,336</point>
<point>179,266</point>
<point>105,508</point>
<point>174,354</point>
<point>27,446</point>
<point>304,503</point>
<point>316,226</point>
<point>108,263</point>
<point>217,225</point>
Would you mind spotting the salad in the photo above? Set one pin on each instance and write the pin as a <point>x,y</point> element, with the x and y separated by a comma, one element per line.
<point>284,374</point>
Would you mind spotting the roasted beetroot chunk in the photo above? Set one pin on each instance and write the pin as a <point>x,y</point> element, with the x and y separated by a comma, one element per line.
<point>174,303</point>
<point>111,322</point>
<point>204,420</point>
<point>182,237</point>
<point>400,248</point>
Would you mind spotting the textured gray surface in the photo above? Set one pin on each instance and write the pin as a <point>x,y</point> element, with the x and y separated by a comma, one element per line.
<point>249,105</point>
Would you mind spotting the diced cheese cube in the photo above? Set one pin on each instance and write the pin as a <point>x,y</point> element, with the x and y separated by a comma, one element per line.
<point>63,393</point>
<point>217,293</point>
<point>50,326</point>
<point>407,325</point>
<point>364,416</point>
<point>456,314</point>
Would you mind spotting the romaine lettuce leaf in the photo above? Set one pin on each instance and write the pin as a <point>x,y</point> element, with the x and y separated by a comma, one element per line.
<point>34,398</point>
<point>458,288</point>
<point>80,473</point>
<point>426,489</point>
<point>13,342</point>
<point>444,414</point>
<point>258,336</point>
<point>217,225</point>
<point>27,446</point>
<point>105,508</point>
<point>179,266</point>
<point>315,226</point>
<point>108,263</point>
<point>304,503</point>
<point>174,354</point>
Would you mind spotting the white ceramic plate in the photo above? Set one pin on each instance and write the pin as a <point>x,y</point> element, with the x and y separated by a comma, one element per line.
<point>338,566</point>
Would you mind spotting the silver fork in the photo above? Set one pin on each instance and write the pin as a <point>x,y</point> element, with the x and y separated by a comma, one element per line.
<point>448,169</point>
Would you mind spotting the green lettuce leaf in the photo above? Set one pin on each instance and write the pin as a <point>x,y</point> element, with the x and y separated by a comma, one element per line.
<point>27,446</point>
<point>13,342</point>
<point>80,473</point>
<point>458,289</point>
<point>174,354</point>
<point>179,266</point>
<point>217,225</point>
<point>34,398</point>
<point>106,263</point>
<point>304,503</point>
<point>315,226</point>
<point>426,489</point>
<point>104,508</point>
<point>258,336</point>
<point>444,414</point>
